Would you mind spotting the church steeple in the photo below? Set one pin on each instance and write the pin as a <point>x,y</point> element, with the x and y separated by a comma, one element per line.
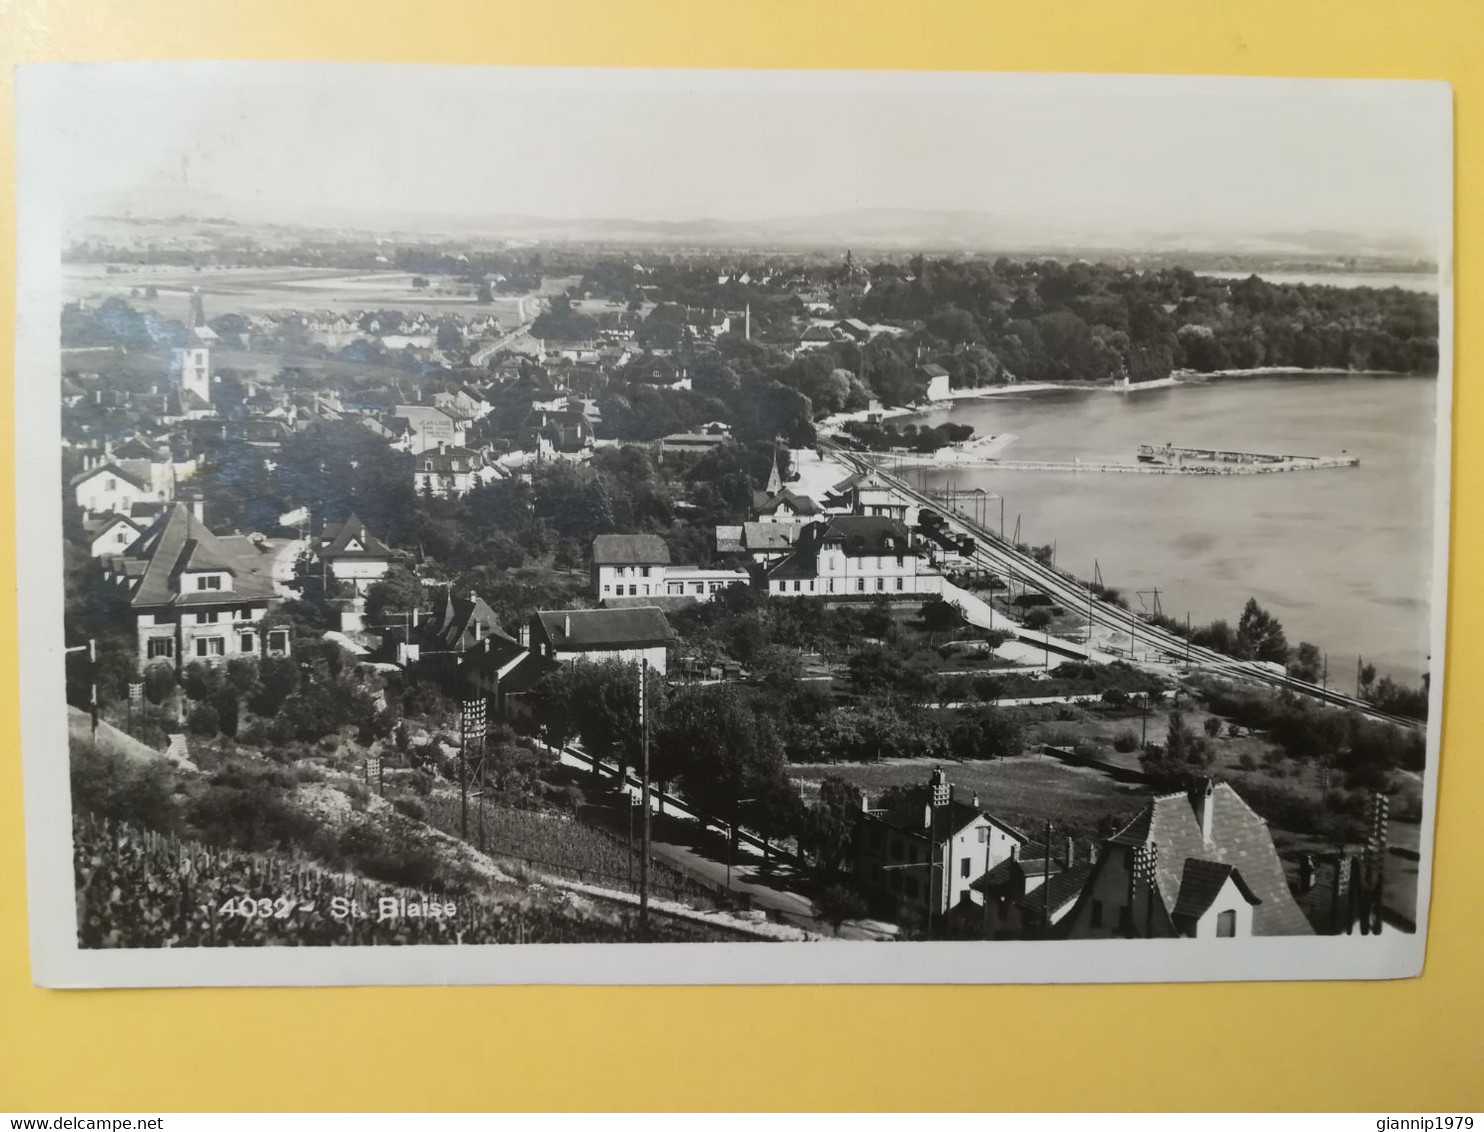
<point>775,480</point>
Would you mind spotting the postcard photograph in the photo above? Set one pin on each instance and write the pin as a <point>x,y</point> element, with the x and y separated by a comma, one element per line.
<point>486,525</point>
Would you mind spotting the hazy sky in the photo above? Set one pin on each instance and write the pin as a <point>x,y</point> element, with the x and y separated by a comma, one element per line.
<point>293,141</point>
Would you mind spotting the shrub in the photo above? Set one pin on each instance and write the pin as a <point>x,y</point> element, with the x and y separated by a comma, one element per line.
<point>1125,741</point>
<point>410,806</point>
<point>203,720</point>
<point>113,786</point>
<point>1212,726</point>
<point>1247,762</point>
<point>390,856</point>
<point>308,772</point>
<point>255,815</point>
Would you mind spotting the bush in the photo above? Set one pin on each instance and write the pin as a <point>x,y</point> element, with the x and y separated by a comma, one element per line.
<point>113,786</point>
<point>410,807</point>
<point>308,772</point>
<point>1247,762</point>
<point>251,813</point>
<point>1125,741</point>
<point>204,721</point>
<point>159,682</point>
<point>1212,726</point>
<point>390,856</point>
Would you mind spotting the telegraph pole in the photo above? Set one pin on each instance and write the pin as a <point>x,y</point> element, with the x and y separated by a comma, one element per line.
<point>644,793</point>
<point>1046,886</point>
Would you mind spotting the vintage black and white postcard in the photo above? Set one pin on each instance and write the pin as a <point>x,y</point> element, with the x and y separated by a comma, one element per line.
<point>562,526</point>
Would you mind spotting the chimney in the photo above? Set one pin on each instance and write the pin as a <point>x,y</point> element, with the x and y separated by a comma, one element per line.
<point>567,625</point>
<point>442,447</point>
<point>1014,850</point>
<point>975,801</point>
<point>1071,852</point>
<point>523,635</point>
<point>198,508</point>
<point>1207,805</point>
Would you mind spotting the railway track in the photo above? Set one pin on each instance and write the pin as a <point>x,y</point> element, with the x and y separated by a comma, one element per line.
<point>993,552</point>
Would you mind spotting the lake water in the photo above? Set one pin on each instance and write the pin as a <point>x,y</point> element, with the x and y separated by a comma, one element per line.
<point>1423,282</point>
<point>1342,557</point>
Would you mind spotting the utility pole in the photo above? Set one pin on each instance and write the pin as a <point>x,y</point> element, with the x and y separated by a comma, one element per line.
<point>1046,886</point>
<point>644,793</point>
<point>91,648</point>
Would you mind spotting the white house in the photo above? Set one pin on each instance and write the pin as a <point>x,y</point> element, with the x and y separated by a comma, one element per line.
<point>432,425</point>
<point>633,568</point>
<point>931,848</point>
<point>629,566</point>
<point>116,486</point>
<point>353,555</point>
<point>116,535</point>
<point>939,387</point>
<point>199,597</point>
<point>854,556</point>
<point>630,635</point>
<point>450,472</point>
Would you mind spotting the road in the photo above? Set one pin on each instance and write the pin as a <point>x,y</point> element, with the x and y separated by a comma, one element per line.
<point>993,552</point>
<point>770,882</point>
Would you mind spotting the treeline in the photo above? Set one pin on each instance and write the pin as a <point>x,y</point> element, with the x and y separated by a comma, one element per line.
<point>1048,321</point>
<point>881,437</point>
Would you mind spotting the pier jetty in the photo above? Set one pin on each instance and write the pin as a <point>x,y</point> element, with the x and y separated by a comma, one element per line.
<point>1153,460</point>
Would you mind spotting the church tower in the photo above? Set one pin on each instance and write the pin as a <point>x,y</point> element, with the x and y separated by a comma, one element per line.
<point>193,372</point>
<point>775,480</point>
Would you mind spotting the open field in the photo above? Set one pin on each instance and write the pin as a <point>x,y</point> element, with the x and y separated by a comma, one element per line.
<point>1024,792</point>
<point>262,290</point>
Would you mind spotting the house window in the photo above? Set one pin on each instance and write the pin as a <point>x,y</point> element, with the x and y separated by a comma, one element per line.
<point>880,584</point>
<point>700,587</point>
<point>1097,913</point>
<point>860,585</point>
<point>209,582</point>
<point>963,867</point>
<point>646,571</point>
<point>899,583</point>
<point>160,648</point>
<point>248,643</point>
<point>1226,925</point>
<point>207,618</point>
<point>633,590</point>
<point>278,641</point>
<point>796,587</point>
<point>211,646</point>
<point>607,589</point>
<point>110,484</point>
<point>901,560</point>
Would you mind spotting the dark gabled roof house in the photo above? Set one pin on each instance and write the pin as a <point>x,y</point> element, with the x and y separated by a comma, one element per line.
<point>630,550</point>
<point>600,630</point>
<point>351,539</point>
<point>1198,843</point>
<point>178,545</point>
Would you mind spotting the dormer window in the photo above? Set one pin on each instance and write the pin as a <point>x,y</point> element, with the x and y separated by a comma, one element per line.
<point>208,581</point>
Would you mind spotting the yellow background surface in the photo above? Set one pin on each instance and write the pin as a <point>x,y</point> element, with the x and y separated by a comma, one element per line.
<point>1402,1046</point>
